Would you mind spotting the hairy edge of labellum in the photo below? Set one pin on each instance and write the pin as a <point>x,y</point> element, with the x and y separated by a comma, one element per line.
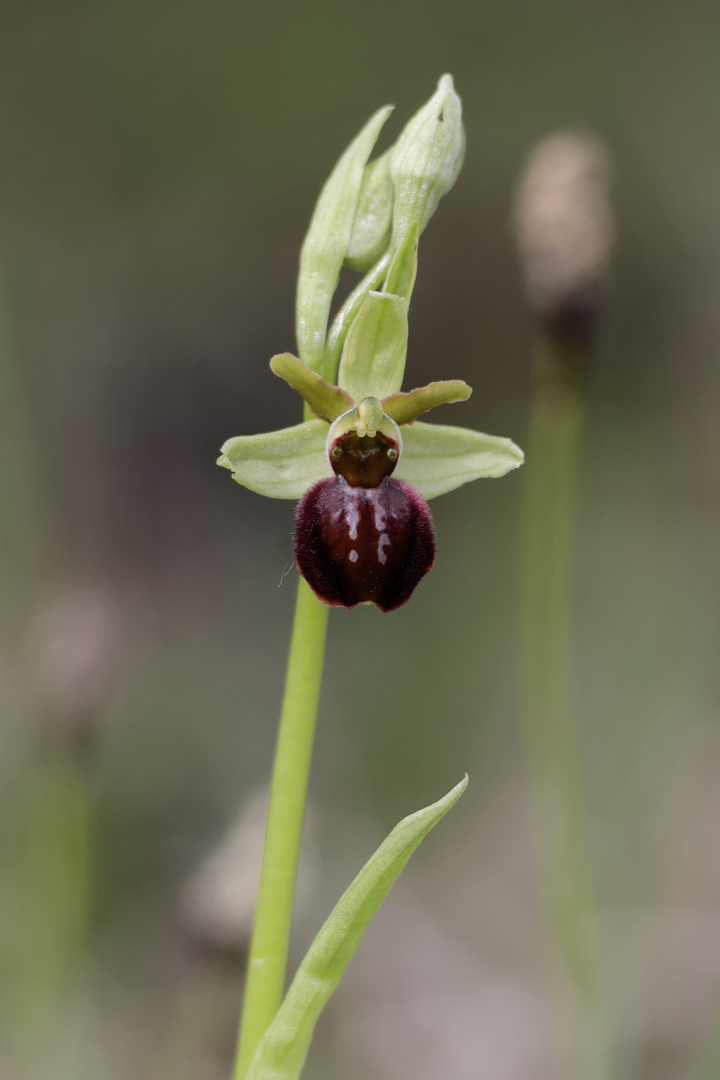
<point>357,544</point>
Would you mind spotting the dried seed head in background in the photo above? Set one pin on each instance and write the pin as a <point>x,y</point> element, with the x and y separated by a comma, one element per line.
<point>217,905</point>
<point>74,643</point>
<point>565,228</point>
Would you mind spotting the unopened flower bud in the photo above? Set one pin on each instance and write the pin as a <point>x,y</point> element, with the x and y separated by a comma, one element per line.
<point>427,158</point>
<point>372,225</point>
<point>565,227</point>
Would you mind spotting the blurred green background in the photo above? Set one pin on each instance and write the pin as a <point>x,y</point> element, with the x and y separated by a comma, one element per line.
<point>158,167</point>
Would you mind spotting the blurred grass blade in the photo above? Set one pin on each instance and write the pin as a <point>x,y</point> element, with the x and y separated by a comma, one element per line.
<point>327,242</point>
<point>24,530</point>
<point>282,1052</point>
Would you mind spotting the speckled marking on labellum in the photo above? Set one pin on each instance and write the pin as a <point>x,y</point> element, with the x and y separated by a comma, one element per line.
<point>360,536</point>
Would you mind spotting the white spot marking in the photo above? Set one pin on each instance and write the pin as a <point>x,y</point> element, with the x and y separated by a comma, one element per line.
<point>352,518</point>
<point>353,556</point>
<point>380,516</point>
<point>383,542</point>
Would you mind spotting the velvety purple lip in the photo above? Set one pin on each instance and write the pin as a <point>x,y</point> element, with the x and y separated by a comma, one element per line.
<point>357,544</point>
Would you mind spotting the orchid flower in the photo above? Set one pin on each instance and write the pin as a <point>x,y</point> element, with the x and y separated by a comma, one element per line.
<point>361,463</point>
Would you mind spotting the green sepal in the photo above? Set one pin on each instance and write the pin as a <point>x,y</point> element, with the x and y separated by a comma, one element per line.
<point>403,408</point>
<point>437,458</point>
<point>372,227</point>
<point>327,241</point>
<point>373,359</point>
<point>282,464</point>
<point>326,401</point>
<point>283,1049</point>
<point>403,268</point>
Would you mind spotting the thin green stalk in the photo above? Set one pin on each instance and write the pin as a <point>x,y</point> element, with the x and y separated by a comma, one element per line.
<point>293,756</point>
<point>551,735</point>
<point>708,1065</point>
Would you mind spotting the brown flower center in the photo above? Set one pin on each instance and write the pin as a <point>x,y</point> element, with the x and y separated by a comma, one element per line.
<point>364,461</point>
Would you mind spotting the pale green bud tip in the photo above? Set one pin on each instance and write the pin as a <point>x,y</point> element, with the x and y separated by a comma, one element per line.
<point>427,157</point>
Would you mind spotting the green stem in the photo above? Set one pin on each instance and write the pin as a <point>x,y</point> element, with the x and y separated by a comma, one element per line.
<point>551,735</point>
<point>293,755</point>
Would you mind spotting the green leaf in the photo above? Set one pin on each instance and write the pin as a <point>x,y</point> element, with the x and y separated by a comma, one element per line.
<point>437,458</point>
<point>373,359</point>
<point>327,241</point>
<point>326,401</point>
<point>282,464</point>
<point>403,408</point>
<point>282,1051</point>
<point>372,227</point>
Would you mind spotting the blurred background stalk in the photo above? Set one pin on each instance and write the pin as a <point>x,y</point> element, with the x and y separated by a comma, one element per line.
<point>44,837</point>
<point>551,733</point>
<point>23,530</point>
<point>564,231</point>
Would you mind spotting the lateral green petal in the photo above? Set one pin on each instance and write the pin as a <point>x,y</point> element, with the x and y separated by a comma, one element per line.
<point>327,241</point>
<point>283,1049</point>
<point>437,458</point>
<point>282,464</point>
<point>373,359</point>
<point>406,407</point>
<point>326,401</point>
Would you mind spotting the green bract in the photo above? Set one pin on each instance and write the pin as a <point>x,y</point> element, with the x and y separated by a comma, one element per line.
<point>328,240</point>
<point>282,1052</point>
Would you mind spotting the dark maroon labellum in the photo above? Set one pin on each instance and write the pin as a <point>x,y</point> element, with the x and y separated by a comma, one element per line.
<point>362,537</point>
<point>357,544</point>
